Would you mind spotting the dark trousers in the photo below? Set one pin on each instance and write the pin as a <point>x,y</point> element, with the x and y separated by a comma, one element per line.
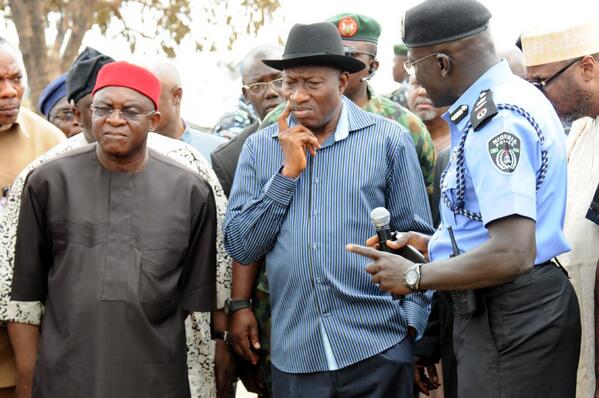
<point>524,341</point>
<point>389,374</point>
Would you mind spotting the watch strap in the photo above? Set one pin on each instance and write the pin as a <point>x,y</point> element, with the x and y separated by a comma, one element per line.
<point>236,305</point>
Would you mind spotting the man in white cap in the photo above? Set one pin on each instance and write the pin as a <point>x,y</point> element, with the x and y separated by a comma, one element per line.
<point>563,62</point>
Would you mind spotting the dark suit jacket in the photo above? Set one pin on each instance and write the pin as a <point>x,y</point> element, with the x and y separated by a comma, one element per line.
<point>225,157</point>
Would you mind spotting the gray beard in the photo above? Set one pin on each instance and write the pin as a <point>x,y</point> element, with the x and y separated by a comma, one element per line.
<point>425,116</point>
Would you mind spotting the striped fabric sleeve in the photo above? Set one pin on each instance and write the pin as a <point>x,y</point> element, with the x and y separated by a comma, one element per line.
<point>406,193</point>
<point>255,212</point>
<point>417,307</point>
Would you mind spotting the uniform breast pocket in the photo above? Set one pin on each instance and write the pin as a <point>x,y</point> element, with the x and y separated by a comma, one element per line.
<point>160,273</point>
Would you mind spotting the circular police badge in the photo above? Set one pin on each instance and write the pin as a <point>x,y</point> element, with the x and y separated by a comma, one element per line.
<point>504,150</point>
<point>347,27</point>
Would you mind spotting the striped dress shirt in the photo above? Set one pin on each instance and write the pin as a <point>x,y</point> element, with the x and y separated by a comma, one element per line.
<point>301,226</point>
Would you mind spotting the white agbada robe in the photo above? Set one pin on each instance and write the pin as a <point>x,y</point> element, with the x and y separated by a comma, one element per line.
<point>583,236</point>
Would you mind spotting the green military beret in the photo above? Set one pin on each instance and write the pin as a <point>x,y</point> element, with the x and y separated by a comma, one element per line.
<point>356,27</point>
<point>400,49</point>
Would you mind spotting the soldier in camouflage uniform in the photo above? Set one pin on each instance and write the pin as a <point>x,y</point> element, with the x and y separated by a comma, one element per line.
<point>360,36</point>
<point>232,123</point>
<point>400,95</point>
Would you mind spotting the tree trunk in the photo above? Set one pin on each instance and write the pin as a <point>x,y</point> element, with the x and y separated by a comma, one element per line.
<point>80,16</point>
<point>28,17</point>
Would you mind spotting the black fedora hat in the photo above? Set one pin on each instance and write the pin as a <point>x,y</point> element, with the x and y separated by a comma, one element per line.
<point>315,44</point>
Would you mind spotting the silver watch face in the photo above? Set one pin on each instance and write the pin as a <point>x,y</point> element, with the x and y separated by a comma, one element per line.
<point>411,277</point>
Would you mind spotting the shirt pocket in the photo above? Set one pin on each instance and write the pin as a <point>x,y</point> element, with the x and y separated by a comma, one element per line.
<point>161,268</point>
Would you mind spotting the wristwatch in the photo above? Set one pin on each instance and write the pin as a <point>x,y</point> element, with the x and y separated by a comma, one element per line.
<point>411,278</point>
<point>235,305</point>
<point>215,335</point>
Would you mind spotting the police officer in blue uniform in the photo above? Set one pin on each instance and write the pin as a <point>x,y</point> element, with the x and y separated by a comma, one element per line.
<point>517,323</point>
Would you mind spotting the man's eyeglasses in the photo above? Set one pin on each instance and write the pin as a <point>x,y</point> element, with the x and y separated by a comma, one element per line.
<point>351,52</point>
<point>541,84</point>
<point>126,113</point>
<point>409,66</point>
<point>261,87</point>
<point>64,116</point>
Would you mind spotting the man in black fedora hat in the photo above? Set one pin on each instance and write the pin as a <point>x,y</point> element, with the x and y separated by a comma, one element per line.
<point>303,188</point>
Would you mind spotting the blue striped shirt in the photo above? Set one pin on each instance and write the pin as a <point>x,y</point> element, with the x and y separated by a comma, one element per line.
<point>301,227</point>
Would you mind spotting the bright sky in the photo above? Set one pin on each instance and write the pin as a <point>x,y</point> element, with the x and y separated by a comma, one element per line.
<point>211,87</point>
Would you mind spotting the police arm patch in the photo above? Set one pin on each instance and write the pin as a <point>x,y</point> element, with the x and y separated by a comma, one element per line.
<point>504,150</point>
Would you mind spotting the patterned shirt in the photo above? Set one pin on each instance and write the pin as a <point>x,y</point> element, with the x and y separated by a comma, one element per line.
<point>232,123</point>
<point>400,95</point>
<point>383,106</point>
<point>200,354</point>
<point>301,228</point>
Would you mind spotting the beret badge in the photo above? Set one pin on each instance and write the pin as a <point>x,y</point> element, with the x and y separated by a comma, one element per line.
<point>347,27</point>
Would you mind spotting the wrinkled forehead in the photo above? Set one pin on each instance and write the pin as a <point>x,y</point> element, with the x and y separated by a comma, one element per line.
<point>310,72</point>
<point>256,71</point>
<point>122,97</point>
<point>361,46</point>
<point>540,72</point>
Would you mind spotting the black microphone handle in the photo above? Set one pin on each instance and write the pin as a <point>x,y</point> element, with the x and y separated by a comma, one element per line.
<point>384,234</point>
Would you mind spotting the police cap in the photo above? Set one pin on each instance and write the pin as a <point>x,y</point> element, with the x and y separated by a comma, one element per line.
<point>441,21</point>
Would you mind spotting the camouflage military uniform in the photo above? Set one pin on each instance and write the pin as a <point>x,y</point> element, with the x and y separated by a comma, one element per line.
<point>385,107</point>
<point>400,96</point>
<point>232,123</point>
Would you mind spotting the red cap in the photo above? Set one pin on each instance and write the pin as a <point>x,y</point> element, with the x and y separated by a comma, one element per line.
<point>124,74</point>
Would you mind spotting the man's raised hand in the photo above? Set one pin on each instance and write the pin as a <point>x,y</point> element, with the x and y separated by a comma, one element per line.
<point>295,141</point>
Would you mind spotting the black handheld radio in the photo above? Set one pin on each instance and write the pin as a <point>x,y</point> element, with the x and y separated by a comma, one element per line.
<point>464,301</point>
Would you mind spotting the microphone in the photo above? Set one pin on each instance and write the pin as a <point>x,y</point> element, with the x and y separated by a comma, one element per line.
<point>370,76</point>
<point>380,217</point>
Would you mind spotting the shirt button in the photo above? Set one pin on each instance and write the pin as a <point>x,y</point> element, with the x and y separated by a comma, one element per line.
<point>315,180</point>
<point>326,314</point>
<point>314,246</point>
<point>315,212</point>
<point>317,279</point>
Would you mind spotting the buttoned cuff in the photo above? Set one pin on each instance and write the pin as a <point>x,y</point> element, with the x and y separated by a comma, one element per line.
<point>416,315</point>
<point>281,189</point>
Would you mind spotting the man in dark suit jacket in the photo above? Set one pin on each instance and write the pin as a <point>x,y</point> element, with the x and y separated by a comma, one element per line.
<point>261,87</point>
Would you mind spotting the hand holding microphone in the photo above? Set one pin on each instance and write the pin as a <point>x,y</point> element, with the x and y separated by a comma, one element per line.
<point>381,218</point>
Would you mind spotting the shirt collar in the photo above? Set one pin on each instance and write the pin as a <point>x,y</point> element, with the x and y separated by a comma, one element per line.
<point>186,131</point>
<point>341,130</point>
<point>19,125</point>
<point>496,74</point>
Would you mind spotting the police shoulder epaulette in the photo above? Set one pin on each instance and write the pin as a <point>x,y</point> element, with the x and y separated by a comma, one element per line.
<point>483,110</point>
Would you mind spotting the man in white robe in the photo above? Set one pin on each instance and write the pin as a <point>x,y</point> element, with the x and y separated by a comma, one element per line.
<point>563,61</point>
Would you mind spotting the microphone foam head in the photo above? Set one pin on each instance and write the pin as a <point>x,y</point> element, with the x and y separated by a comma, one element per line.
<point>380,217</point>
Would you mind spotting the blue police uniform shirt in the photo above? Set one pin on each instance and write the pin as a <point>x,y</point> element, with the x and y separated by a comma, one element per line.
<point>502,162</point>
<point>205,143</point>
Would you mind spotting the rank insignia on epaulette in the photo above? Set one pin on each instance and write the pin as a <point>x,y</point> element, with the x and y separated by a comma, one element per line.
<point>457,115</point>
<point>483,110</point>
